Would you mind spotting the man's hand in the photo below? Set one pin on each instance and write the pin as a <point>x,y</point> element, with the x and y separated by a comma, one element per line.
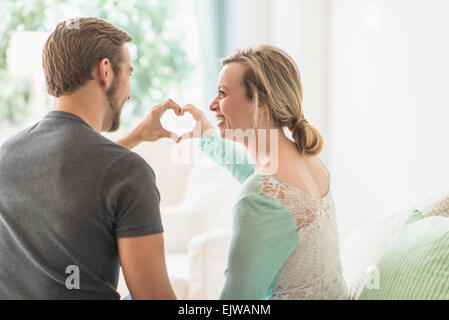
<point>150,129</point>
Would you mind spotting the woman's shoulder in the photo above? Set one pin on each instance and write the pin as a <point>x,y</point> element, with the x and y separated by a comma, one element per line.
<point>254,197</point>
<point>257,213</point>
<point>257,186</point>
<point>308,175</point>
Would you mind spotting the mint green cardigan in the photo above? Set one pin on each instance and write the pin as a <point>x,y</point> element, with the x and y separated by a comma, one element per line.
<point>264,232</point>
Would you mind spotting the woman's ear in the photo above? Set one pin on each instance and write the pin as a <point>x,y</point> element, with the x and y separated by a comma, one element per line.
<point>262,115</point>
<point>262,111</point>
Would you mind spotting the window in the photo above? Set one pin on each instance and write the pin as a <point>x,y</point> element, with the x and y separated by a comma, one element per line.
<point>164,53</point>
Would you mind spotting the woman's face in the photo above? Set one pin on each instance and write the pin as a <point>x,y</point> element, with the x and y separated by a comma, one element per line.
<point>232,107</point>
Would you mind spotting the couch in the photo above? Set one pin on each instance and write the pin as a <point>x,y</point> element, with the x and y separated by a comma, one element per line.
<point>197,230</point>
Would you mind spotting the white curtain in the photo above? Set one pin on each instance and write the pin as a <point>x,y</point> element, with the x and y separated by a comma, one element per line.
<point>212,20</point>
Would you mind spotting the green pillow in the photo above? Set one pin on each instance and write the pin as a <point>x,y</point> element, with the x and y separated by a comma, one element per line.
<point>415,264</point>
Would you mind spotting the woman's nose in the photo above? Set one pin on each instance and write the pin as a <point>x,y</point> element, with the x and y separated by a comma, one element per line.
<point>214,105</point>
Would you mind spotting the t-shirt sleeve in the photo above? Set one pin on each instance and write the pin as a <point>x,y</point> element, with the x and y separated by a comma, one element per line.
<point>264,235</point>
<point>131,197</point>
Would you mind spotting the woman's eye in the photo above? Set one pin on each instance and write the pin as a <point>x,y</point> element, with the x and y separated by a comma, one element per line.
<point>221,93</point>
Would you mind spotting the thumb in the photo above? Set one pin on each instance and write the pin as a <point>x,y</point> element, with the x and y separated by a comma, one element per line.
<point>188,135</point>
<point>167,134</point>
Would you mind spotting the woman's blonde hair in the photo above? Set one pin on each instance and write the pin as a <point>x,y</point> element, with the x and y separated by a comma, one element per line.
<point>272,78</point>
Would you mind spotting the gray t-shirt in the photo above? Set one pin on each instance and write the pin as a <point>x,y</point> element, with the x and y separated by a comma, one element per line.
<point>66,194</point>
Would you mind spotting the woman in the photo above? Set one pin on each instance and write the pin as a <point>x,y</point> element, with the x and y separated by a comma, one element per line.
<point>285,241</point>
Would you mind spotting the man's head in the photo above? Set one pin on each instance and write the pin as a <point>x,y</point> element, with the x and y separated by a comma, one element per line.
<point>90,51</point>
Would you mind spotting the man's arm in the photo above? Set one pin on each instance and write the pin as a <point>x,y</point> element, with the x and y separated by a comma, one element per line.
<point>132,140</point>
<point>144,268</point>
<point>150,129</point>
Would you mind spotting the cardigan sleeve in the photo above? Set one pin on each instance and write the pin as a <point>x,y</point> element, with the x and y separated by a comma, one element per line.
<point>229,155</point>
<point>264,235</point>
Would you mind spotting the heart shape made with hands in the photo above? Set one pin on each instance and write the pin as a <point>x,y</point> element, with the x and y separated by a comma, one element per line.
<point>178,124</point>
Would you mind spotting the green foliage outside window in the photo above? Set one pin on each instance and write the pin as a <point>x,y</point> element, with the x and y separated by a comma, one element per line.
<point>160,62</point>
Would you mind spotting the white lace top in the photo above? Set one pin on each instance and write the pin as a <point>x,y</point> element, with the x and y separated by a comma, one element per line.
<point>313,270</point>
<point>285,242</point>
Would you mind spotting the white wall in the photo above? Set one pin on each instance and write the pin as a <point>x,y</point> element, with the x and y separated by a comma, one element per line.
<point>388,105</point>
<point>249,23</point>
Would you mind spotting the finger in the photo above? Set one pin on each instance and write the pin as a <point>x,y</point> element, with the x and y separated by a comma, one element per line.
<point>194,111</point>
<point>169,104</point>
<point>186,136</point>
<point>167,134</point>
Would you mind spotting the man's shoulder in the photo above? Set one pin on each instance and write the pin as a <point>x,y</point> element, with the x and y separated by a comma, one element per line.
<point>129,163</point>
<point>74,142</point>
<point>16,136</point>
<point>111,156</point>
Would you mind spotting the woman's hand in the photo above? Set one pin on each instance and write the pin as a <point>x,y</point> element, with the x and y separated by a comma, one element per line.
<point>203,128</point>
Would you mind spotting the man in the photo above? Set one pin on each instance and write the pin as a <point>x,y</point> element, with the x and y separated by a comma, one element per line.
<point>74,205</point>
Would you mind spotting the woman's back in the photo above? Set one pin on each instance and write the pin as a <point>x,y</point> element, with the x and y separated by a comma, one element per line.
<point>285,240</point>
<point>306,173</point>
<point>313,269</point>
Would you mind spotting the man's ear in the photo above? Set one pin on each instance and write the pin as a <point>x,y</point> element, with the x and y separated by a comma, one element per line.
<point>103,73</point>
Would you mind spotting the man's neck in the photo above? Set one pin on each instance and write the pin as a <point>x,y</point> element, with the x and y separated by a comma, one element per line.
<point>83,107</point>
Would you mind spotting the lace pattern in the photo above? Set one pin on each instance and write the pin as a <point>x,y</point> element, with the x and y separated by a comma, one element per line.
<point>437,206</point>
<point>313,270</point>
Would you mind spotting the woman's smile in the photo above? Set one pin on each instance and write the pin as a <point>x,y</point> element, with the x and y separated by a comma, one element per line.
<point>221,121</point>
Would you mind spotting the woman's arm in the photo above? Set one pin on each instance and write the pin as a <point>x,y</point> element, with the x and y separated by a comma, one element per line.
<point>223,152</point>
<point>227,154</point>
<point>264,235</point>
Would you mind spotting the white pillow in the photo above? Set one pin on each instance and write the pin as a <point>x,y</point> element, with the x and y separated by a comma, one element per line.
<point>365,246</point>
<point>436,206</point>
<point>363,249</point>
